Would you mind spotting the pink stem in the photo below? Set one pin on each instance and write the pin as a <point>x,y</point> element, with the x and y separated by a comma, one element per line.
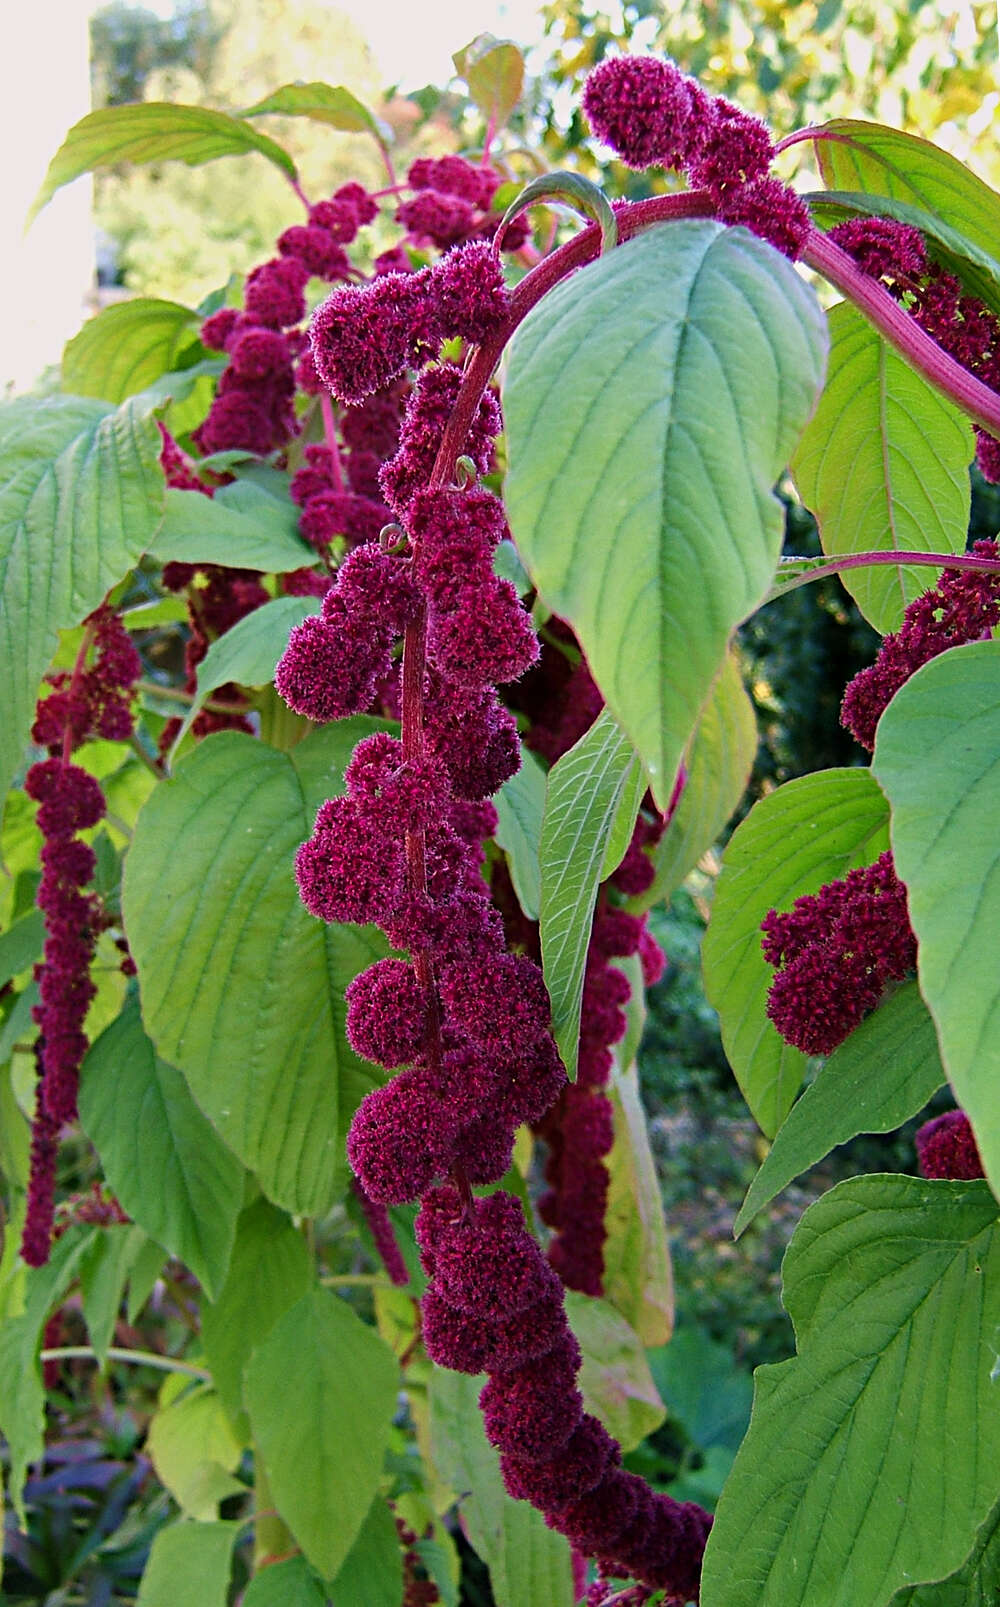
<point>802,134</point>
<point>491,134</point>
<point>300,192</point>
<point>79,666</point>
<point>330,436</point>
<point>867,560</point>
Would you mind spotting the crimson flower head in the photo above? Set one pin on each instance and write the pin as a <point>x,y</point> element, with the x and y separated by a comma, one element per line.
<point>946,1147</point>
<point>642,107</point>
<point>837,949</point>
<point>365,336</point>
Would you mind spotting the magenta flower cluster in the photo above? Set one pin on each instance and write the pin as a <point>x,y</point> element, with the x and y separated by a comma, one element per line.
<point>946,1148</point>
<point>835,951</point>
<point>652,115</point>
<point>364,337</point>
<point>494,1305</point>
<point>92,701</point>
<point>253,407</point>
<point>963,607</point>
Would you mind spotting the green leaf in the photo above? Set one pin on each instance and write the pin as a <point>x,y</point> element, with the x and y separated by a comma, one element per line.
<point>883,1074</point>
<point>809,832</point>
<point>937,757</point>
<point>21,945</point>
<point>615,1379</point>
<point>871,1457</point>
<point>22,1398</point>
<point>323,103</point>
<point>127,347</point>
<point>241,526</point>
<point>883,161</point>
<point>153,131</point>
<point>15,1139</point>
<point>493,69</point>
<point>242,988</point>
<point>372,1571</point>
<point>529,1563</point>
<point>248,653</point>
<point>195,1452</point>
<point>520,805</point>
<point>270,1270</point>
<point>145,1272</point>
<point>189,1565</point>
<point>638,1280</point>
<point>977,1582</point>
<point>719,760</point>
<point>165,1163</point>
<point>104,1273</point>
<point>884,465</point>
<point>645,430</point>
<point>978,270</point>
<point>592,796</point>
<point>703,1389</point>
<point>285,1584</point>
<point>81,495</point>
<point>321,1393</point>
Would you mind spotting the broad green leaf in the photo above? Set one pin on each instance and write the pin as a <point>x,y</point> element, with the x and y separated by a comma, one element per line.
<point>871,1456</point>
<point>978,270</point>
<point>883,1074</point>
<point>937,757</point>
<point>494,71</point>
<point>242,988</point>
<point>884,465</point>
<point>529,1563</point>
<point>321,1393</point>
<point>592,796</point>
<point>195,1452</point>
<point>22,1398</point>
<point>241,526</point>
<point>638,1280</point>
<point>270,1270</point>
<point>651,401</point>
<point>148,1265</point>
<point>21,945</point>
<point>323,103</point>
<point>153,131</point>
<point>977,1582</point>
<point>809,832</point>
<point>15,1138</point>
<point>19,1024</point>
<point>372,1571</point>
<point>81,495</point>
<point>883,161</point>
<point>104,1273</point>
<point>22,1405</point>
<point>189,1565</point>
<point>165,1163</point>
<point>248,653</point>
<point>703,1389</point>
<point>615,1379</point>
<point>718,764</point>
<point>127,347</point>
<point>520,805</point>
<point>285,1584</point>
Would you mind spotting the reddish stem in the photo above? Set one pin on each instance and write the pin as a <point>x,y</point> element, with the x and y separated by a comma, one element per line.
<point>330,437</point>
<point>975,399</point>
<point>300,192</point>
<point>79,668</point>
<point>866,560</point>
